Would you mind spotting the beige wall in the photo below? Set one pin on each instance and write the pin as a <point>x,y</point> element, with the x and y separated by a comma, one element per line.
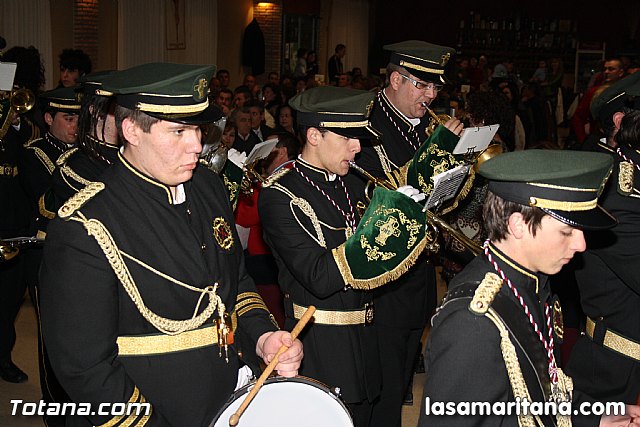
<point>107,36</point>
<point>233,18</point>
<point>61,33</point>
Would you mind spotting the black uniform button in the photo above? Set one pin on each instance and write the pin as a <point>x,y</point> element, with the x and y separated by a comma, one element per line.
<point>188,211</point>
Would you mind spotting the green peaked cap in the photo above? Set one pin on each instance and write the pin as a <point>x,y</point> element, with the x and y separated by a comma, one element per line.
<point>563,183</point>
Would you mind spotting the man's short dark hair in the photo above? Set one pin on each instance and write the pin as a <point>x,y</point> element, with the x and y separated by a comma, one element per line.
<point>75,59</point>
<point>222,71</point>
<point>339,47</point>
<point>496,213</point>
<point>243,89</point>
<point>629,133</point>
<point>290,142</point>
<point>143,120</point>
<point>255,103</point>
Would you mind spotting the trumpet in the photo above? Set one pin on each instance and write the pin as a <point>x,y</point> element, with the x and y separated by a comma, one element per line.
<point>20,101</point>
<point>216,158</point>
<point>432,219</point>
<point>436,119</point>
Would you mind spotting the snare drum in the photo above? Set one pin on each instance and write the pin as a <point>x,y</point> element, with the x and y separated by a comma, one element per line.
<point>298,401</point>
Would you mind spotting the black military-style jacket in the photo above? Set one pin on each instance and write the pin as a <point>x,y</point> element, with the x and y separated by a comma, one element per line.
<point>302,227</point>
<point>75,169</point>
<point>85,307</point>
<point>399,141</point>
<point>37,163</point>
<point>16,209</point>
<point>609,281</point>
<point>464,361</point>
<point>409,301</point>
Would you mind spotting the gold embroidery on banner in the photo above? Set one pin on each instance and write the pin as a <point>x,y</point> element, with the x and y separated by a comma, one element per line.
<point>412,226</point>
<point>388,228</point>
<point>222,233</point>
<point>625,177</point>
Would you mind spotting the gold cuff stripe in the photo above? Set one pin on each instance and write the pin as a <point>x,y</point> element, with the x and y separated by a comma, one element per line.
<point>249,301</point>
<point>172,109</point>
<point>616,342</point>
<point>345,125</point>
<point>160,344</point>
<point>333,317</point>
<point>43,209</point>
<point>133,399</point>
<point>64,106</point>
<point>247,309</point>
<point>563,206</point>
<point>247,295</point>
<point>421,68</point>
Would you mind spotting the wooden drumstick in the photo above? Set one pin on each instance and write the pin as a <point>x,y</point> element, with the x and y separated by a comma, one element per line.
<point>235,418</point>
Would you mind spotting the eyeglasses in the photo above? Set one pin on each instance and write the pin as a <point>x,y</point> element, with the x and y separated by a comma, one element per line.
<point>422,85</point>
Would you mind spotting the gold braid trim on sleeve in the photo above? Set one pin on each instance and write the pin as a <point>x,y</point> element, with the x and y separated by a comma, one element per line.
<point>130,420</point>
<point>42,208</point>
<point>167,326</point>
<point>247,301</point>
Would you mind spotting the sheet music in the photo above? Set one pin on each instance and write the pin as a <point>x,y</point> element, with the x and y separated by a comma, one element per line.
<point>475,139</point>
<point>446,185</point>
<point>261,150</point>
<point>7,74</point>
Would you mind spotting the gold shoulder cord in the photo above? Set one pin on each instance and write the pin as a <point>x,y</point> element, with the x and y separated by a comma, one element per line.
<point>99,232</point>
<point>167,326</point>
<point>481,304</point>
<point>306,208</point>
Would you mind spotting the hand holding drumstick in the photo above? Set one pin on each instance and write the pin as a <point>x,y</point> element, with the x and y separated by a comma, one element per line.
<point>291,352</point>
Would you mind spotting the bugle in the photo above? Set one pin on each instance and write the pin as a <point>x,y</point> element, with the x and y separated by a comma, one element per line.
<point>432,219</point>
<point>20,101</point>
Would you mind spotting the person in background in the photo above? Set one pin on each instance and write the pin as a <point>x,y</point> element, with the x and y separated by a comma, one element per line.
<point>335,66</point>
<point>74,63</point>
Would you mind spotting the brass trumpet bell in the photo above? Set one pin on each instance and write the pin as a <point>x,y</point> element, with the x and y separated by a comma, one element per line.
<point>7,252</point>
<point>488,153</point>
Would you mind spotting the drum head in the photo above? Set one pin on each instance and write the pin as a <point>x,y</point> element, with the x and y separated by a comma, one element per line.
<point>287,402</point>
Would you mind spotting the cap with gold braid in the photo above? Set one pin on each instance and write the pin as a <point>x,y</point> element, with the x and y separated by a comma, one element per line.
<point>62,99</point>
<point>173,92</point>
<point>424,60</point>
<point>564,184</point>
<point>341,110</point>
<point>91,84</point>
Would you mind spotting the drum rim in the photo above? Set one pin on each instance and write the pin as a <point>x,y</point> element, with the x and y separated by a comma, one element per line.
<point>280,379</point>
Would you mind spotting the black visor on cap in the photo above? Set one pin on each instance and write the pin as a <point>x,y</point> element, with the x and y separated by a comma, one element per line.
<point>594,219</point>
<point>209,115</point>
<point>356,132</point>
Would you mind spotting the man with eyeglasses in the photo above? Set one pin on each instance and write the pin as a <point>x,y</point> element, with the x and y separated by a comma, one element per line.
<point>415,75</point>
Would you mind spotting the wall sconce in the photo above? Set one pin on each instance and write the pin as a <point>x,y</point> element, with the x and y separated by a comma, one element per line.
<point>266,3</point>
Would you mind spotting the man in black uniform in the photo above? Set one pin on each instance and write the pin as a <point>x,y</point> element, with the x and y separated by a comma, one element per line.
<point>14,222</point>
<point>97,141</point>
<point>144,293</point>
<point>310,215</point>
<point>493,338</point>
<point>605,362</point>
<point>414,76</point>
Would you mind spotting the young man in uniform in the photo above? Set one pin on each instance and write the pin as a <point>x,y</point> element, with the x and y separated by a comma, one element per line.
<point>315,222</point>
<point>605,362</point>
<point>144,293</point>
<point>494,337</point>
<point>415,74</point>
